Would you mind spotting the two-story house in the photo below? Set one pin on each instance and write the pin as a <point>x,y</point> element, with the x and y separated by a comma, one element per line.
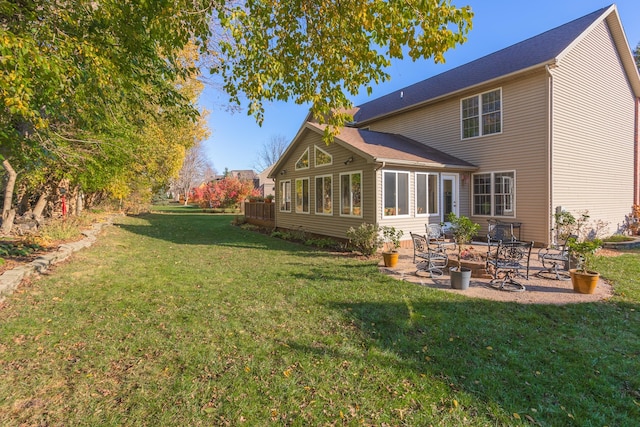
<point>549,122</point>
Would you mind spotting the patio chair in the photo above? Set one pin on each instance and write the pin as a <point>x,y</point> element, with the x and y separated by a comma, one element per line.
<point>435,236</point>
<point>428,258</point>
<point>498,232</point>
<point>556,261</point>
<point>510,261</point>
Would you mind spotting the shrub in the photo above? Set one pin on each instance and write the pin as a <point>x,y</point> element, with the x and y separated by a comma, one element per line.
<point>60,229</point>
<point>365,239</point>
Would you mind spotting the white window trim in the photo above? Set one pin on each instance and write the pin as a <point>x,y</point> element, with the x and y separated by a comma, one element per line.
<point>427,174</point>
<point>300,158</point>
<point>492,195</point>
<point>315,181</point>
<point>315,160</point>
<point>481,131</point>
<point>282,195</point>
<point>361,193</point>
<point>404,215</point>
<point>295,190</point>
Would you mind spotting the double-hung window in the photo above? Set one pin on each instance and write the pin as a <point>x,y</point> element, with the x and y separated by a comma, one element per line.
<point>302,195</point>
<point>427,194</point>
<point>285,196</point>
<point>324,195</point>
<point>481,114</point>
<point>494,194</point>
<point>351,193</point>
<point>395,193</point>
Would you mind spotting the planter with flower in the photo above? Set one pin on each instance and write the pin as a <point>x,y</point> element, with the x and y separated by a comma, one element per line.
<point>391,237</point>
<point>463,230</point>
<point>583,278</point>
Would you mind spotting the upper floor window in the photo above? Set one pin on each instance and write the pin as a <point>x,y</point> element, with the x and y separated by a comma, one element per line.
<point>322,157</point>
<point>494,194</point>
<point>395,193</point>
<point>303,161</point>
<point>481,114</point>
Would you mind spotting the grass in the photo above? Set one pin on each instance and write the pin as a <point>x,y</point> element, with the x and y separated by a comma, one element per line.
<point>179,318</point>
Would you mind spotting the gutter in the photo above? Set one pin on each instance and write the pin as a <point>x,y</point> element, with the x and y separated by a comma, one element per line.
<point>423,164</point>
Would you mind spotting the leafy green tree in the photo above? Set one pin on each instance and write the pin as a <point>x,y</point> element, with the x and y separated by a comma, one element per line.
<point>87,87</point>
<point>319,52</point>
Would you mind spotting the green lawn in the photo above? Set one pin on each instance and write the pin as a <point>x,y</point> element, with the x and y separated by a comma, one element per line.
<point>179,318</point>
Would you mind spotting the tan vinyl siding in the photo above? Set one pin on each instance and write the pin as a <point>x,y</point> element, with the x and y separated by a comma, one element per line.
<point>334,225</point>
<point>593,128</point>
<point>521,146</point>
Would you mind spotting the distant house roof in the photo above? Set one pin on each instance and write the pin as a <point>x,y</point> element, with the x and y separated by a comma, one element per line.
<point>537,51</point>
<point>392,148</point>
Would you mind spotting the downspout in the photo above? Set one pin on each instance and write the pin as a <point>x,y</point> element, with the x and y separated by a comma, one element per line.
<point>636,154</point>
<point>550,207</point>
<point>378,210</point>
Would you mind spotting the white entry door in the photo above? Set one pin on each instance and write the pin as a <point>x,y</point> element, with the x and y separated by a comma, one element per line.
<point>449,194</point>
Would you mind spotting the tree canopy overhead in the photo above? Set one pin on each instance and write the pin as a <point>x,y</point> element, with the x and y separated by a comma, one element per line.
<point>102,92</point>
<point>320,52</point>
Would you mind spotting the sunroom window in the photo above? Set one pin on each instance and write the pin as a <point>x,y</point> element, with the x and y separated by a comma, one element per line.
<point>322,157</point>
<point>303,161</point>
<point>302,195</point>
<point>285,196</point>
<point>351,193</point>
<point>427,193</point>
<point>324,197</point>
<point>396,193</point>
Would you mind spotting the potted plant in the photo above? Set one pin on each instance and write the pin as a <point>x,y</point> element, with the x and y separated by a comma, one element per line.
<point>269,198</point>
<point>391,237</point>
<point>583,278</point>
<point>463,230</point>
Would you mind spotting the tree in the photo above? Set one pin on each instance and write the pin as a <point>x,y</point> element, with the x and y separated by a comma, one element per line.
<point>227,192</point>
<point>86,86</point>
<point>318,52</point>
<point>192,174</point>
<point>636,55</point>
<point>271,151</point>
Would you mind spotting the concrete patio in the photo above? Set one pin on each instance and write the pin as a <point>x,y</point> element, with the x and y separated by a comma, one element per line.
<point>538,290</point>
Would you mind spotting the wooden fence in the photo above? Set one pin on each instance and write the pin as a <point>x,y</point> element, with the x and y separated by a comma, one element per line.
<point>260,213</point>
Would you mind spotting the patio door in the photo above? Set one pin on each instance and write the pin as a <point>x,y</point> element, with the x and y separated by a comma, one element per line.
<point>449,194</point>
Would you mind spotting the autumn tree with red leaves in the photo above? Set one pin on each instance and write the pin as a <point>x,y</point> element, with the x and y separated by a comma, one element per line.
<point>225,193</point>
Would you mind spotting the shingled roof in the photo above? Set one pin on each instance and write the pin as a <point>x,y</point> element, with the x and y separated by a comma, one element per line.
<point>393,148</point>
<point>536,51</point>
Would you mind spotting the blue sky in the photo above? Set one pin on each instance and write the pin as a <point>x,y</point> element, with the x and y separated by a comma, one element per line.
<point>236,138</point>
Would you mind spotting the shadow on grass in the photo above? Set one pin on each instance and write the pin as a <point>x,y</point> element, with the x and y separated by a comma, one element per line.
<point>558,365</point>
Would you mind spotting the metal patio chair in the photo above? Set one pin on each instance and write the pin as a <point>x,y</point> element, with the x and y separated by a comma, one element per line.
<point>428,258</point>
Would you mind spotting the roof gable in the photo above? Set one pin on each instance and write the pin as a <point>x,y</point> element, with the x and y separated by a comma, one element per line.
<point>537,51</point>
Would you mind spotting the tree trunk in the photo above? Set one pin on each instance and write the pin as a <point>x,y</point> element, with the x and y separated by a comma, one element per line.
<point>8,214</point>
<point>79,201</point>
<point>40,205</point>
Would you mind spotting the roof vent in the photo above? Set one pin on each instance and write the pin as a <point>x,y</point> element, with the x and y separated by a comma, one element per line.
<point>401,94</point>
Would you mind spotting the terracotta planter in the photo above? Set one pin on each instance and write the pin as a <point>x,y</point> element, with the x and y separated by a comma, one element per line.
<point>584,283</point>
<point>390,258</point>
